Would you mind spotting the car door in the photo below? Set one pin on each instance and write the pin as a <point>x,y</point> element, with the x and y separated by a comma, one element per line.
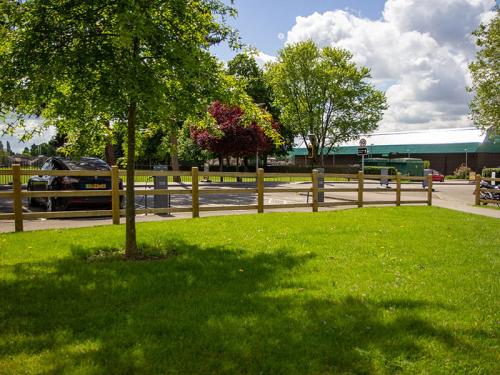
<point>40,182</point>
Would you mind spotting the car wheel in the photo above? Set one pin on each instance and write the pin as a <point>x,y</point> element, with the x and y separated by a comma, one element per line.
<point>56,204</point>
<point>32,202</point>
<point>50,205</point>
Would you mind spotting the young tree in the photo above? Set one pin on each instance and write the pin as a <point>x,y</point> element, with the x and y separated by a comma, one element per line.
<point>80,65</point>
<point>231,136</point>
<point>189,150</point>
<point>323,96</point>
<point>485,71</point>
<point>244,67</point>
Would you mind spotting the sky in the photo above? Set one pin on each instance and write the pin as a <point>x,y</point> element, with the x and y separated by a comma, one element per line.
<point>418,50</point>
<point>261,22</point>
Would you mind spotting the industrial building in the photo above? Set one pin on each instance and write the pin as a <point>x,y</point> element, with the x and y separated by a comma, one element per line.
<point>445,149</point>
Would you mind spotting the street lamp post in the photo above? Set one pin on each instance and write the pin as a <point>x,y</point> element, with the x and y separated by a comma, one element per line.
<point>466,164</point>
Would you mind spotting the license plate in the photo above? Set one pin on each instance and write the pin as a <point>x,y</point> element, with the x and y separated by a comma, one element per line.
<point>95,186</point>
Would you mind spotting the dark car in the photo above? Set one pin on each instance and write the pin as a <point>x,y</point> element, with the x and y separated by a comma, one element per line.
<point>42,183</point>
<point>436,176</point>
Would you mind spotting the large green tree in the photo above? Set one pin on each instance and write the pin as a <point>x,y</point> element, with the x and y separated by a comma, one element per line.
<point>244,67</point>
<point>485,71</point>
<point>86,64</point>
<point>323,96</point>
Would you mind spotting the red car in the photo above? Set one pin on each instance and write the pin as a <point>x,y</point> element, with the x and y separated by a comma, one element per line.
<point>436,176</point>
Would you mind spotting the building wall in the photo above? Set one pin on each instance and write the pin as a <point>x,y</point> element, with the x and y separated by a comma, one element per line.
<point>444,163</point>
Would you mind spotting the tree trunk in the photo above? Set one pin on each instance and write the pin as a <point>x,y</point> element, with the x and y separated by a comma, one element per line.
<point>245,164</point>
<point>110,154</point>
<point>221,168</point>
<point>238,179</point>
<point>130,234</point>
<point>174,154</point>
<point>109,150</point>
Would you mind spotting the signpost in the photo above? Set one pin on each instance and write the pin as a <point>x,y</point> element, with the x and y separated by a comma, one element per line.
<point>362,151</point>
<point>161,182</point>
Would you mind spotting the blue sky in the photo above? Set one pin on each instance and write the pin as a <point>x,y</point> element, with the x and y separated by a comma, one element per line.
<point>261,21</point>
<point>418,51</point>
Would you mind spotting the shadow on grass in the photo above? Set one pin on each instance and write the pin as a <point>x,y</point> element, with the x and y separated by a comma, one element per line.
<point>203,311</point>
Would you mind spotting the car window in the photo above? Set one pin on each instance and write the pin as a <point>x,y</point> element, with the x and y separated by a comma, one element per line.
<point>57,165</point>
<point>88,164</point>
<point>47,166</point>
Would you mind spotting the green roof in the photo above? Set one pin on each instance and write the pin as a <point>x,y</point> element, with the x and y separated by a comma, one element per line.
<point>441,148</point>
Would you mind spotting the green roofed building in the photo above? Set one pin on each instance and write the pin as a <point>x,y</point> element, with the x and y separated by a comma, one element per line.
<point>446,149</point>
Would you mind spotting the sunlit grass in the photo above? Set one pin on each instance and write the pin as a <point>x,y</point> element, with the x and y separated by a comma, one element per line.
<point>379,290</point>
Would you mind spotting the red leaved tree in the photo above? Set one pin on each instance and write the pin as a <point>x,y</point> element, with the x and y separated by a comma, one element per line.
<point>233,139</point>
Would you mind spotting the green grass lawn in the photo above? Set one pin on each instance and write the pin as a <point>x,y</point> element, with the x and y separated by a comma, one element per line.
<point>377,290</point>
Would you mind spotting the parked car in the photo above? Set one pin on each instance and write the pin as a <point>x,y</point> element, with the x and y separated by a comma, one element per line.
<point>436,176</point>
<point>42,183</point>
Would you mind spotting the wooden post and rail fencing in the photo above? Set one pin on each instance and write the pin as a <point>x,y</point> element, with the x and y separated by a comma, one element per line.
<point>194,190</point>
<point>479,190</point>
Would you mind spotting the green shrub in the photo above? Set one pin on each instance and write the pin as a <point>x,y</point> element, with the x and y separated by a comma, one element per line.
<point>462,172</point>
<point>487,172</point>
<point>376,170</point>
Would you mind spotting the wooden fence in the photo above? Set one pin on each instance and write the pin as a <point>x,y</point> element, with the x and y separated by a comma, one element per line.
<point>194,190</point>
<point>479,189</point>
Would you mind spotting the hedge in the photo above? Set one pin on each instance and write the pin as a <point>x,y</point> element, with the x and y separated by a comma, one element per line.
<point>377,170</point>
<point>487,172</point>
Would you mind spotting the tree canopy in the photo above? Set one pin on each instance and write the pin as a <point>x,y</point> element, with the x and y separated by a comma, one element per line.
<point>231,137</point>
<point>87,65</point>
<point>244,67</point>
<point>322,95</point>
<point>485,72</point>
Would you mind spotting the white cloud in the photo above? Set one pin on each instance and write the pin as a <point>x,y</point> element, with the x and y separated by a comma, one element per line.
<point>262,59</point>
<point>418,52</point>
<point>40,134</point>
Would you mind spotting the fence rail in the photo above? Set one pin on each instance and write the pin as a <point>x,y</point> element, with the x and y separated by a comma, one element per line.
<point>195,191</point>
<point>480,190</point>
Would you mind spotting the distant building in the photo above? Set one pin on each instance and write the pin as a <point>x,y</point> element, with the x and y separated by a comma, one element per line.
<point>446,149</point>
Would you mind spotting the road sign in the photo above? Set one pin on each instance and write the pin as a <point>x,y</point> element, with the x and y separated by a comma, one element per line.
<point>362,142</point>
<point>362,151</point>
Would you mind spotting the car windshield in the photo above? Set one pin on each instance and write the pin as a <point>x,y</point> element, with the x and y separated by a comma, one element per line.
<point>88,165</point>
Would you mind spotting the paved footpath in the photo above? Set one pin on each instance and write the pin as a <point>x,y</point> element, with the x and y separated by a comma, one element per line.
<point>459,197</point>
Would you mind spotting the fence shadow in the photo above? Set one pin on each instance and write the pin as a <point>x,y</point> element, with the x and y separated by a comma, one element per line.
<point>206,310</point>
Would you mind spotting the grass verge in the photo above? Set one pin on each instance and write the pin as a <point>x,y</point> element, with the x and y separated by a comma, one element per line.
<point>378,290</point>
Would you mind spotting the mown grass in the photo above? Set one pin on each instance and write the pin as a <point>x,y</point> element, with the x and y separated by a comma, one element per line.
<point>378,290</point>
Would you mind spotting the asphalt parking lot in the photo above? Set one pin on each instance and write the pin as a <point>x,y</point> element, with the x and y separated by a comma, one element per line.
<point>451,194</point>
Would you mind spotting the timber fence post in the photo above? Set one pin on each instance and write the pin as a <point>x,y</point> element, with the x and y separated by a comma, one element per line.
<point>398,189</point>
<point>115,195</point>
<point>315,190</point>
<point>195,195</point>
<point>361,182</point>
<point>478,189</point>
<point>260,190</point>
<point>18,202</point>
<point>429,189</point>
